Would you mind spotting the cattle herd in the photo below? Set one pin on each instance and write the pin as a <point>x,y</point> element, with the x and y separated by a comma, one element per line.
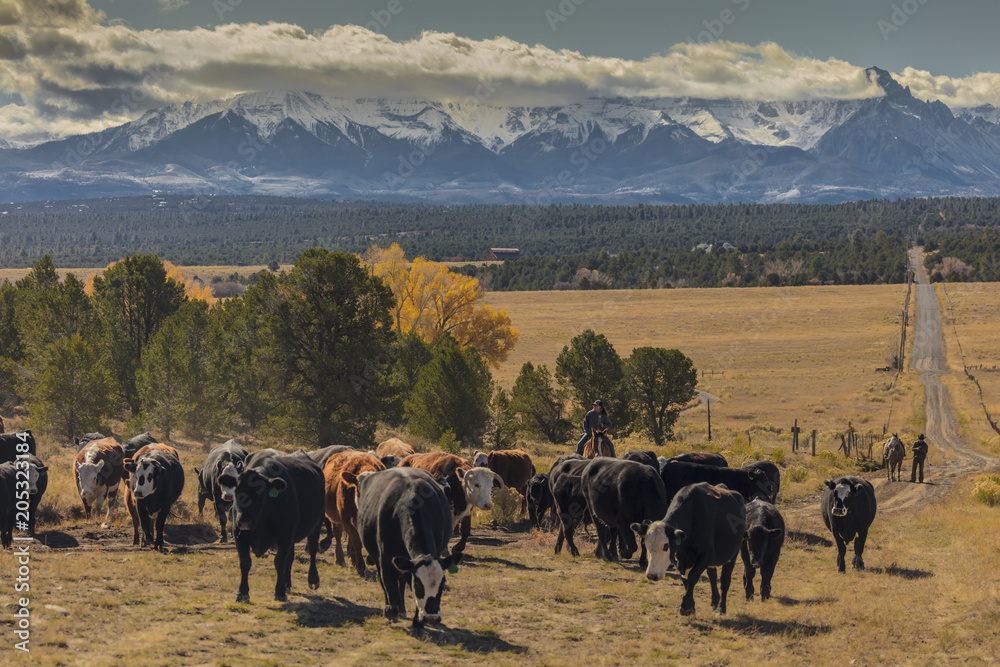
<point>399,509</point>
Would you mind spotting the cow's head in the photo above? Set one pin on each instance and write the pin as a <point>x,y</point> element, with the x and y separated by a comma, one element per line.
<point>662,460</point>
<point>537,486</point>
<point>35,473</point>
<point>254,489</point>
<point>477,484</point>
<point>229,471</point>
<point>759,539</point>
<point>664,544</point>
<point>843,495</point>
<point>90,480</point>
<point>390,461</point>
<point>143,476</point>
<point>480,460</point>
<point>427,581</point>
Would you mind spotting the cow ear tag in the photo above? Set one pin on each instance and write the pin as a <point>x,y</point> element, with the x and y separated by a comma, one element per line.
<point>273,493</point>
<point>453,569</point>
<point>677,541</point>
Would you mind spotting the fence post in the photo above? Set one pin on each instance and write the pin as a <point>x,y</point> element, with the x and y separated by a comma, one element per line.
<point>814,442</point>
<point>795,436</point>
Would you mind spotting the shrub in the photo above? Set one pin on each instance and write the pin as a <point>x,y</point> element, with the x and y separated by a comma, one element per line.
<point>778,456</point>
<point>449,443</point>
<point>796,474</point>
<point>830,458</point>
<point>506,507</point>
<point>987,490</point>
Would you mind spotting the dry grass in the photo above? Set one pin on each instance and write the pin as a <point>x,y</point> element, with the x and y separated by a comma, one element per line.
<point>205,273</point>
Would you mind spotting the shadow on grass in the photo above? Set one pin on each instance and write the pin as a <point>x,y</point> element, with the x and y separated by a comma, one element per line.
<point>479,561</point>
<point>190,534</point>
<point>481,642</point>
<point>486,541</point>
<point>754,626</point>
<point>792,602</point>
<point>55,539</point>
<point>902,572</point>
<point>796,537</point>
<point>320,612</point>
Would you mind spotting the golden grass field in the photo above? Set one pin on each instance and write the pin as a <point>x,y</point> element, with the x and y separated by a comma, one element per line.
<point>931,593</point>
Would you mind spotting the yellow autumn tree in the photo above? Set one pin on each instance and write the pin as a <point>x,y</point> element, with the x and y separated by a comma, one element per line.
<point>433,301</point>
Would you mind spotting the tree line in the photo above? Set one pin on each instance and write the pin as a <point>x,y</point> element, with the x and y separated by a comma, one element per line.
<point>316,355</point>
<point>247,230</point>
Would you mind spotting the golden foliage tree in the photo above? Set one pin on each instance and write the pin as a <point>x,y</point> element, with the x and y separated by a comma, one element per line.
<point>432,301</point>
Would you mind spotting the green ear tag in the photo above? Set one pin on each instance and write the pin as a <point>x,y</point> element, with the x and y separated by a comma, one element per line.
<point>453,569</point>
<point>273,493</point>
<point>677,541</point>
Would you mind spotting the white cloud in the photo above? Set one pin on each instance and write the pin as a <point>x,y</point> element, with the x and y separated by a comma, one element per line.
<point>76,73</point>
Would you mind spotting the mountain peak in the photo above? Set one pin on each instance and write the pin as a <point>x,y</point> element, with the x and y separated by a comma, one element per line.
<point>887,83</point>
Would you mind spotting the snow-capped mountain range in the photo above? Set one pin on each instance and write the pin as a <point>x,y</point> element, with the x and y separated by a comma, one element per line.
<point>598,150</point>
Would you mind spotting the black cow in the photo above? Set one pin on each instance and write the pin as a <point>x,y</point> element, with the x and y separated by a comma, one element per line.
<point>279,501</point>
<point>704,458</point>
<point>765,533</point>
<point>390,461</point>
<point>217,480</point>
<point>321,455</point>
<point>8,502</point>
<point>539,499</point>
<point>771,478</point>
<point>677,475</point>
<point>570,501</point>
<point>12,444</point>
<point>156,480</point>
<point>38,482</point>
<point>132,445</point>
<point>703,529</point>
<point>848,507</point>
<point>618,494</point>
<point>647,457</point>
<point>87,437</point>
<point>405,522</point>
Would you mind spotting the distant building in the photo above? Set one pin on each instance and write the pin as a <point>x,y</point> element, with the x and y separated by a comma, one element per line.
<point>502,254</point>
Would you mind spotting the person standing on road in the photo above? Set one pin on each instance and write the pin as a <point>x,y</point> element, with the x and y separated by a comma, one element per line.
<point>919,456</point>
<point>597,419</point>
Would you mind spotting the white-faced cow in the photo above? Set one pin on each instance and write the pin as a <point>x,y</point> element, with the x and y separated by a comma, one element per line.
<point>514,467</point>
<point>155,482</point>
<point>14,444</point>
<point>467,487</point>
<point>279,501</point>
<point>405,523</point>
<point>8,502</point>
<point>217,480</point>
<point>618,494</point>
<point>765,534</point>
<point>848,507</point>
<point>38,482</point>
<point>703,529</point>
<point>98,470</point>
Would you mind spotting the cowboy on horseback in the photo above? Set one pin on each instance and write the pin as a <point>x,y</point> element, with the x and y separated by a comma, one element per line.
<point>595,425</point>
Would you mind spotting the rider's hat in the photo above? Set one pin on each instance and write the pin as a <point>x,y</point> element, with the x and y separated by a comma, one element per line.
<point>598,403</point>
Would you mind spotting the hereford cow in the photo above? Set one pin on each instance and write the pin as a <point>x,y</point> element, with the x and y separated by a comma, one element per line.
<point>38,482</point>
<point>569,499</point>
<point>848,507</point>
<point>279,501</point>
<point>620,493</point>
<point>703,528</point>
<point>767,476</point>
<point>342,472</point>
<point>765,534</point>
<point>155,482</point>
<point>704,458</point>
<point>748,483</point>
<point>98,469</point>
<point>134,444</point>
<point>539,499</point>
<point>405,523</point>
<point>467,487</point>
<point>12,444</point>
<point>217,480</point>
<point>514,467</point>
<point>394,447</point>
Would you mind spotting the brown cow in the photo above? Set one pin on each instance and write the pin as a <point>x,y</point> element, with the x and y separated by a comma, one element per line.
<point>514,467</point>
<point>468,487</point>
<point>394,447</point>
<point>97,470</point>
<point>342,471</point>
<point>129,500</point>
<point>2,427</point>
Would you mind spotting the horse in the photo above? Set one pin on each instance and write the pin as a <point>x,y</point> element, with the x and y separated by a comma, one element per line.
<point>893,453</point>
<point>598,445</point>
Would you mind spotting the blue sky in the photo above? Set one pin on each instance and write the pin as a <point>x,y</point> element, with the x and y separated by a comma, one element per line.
<point>72,66</point>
